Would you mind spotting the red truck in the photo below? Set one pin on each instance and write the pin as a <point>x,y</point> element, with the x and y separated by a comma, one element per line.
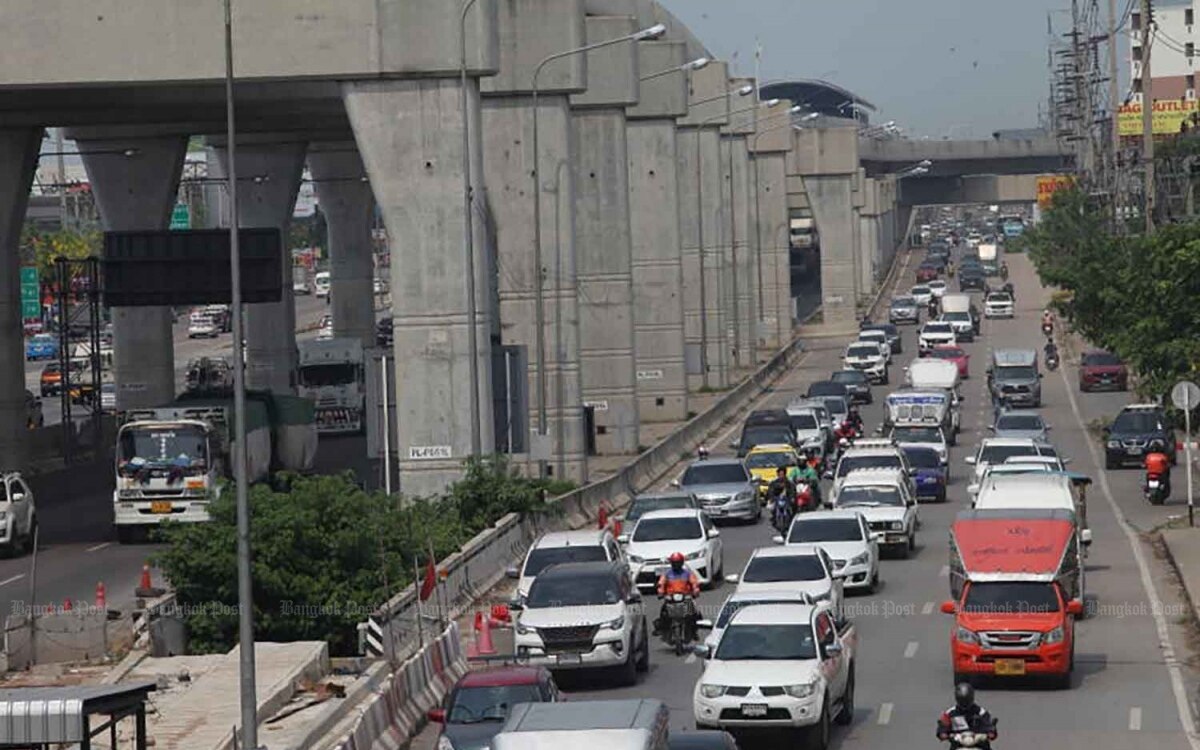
<point>1012,575</point>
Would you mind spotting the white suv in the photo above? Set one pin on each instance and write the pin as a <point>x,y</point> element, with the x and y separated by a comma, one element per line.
<point>867,357</point>
<point>848,539</point>
<point>661,533</point>
<point>998,305</point>
<point>886,500</point>
<point>18,515</point>
<point>806,568</point>
<point>935,333</point>
<point>588,545</point>
<point>868,453</point>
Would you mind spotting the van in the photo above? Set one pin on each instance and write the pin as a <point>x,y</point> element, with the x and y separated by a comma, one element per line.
<point>321,284</point>
<point>1045,490</point>
<point>1014,377</point>
<point>613,725</point>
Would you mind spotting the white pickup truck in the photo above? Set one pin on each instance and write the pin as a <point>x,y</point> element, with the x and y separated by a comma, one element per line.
<point>782,666</point>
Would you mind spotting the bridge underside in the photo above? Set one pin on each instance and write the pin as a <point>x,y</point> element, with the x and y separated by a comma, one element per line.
<point>984,188</point>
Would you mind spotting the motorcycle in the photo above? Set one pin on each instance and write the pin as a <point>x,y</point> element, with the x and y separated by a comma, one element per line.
<point>1155,490</point>
<point>1052,361</point>
<point>782,511</point>
<point>680,611</point>
<point>806,497</point>
<point>969,739</point>
<point>843,445</point>
<point>1047,328</point>
<point>1004,272</point>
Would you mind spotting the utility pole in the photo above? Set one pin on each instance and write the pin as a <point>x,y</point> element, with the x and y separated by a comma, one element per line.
<point>1147,116</point>
<point>1114,105</point>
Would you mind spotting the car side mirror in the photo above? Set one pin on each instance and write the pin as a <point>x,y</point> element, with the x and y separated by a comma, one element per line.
<point>714,534</point>
<point>972,489</point>
<point>1075,607</point>
<point>634,598</point>
<point>512,572</point>
<point>733,445</point>
<point>703,651</point>
<point>832,650</point>
<point>949,608</point>
<point>623,539</point>
<point>1066,461</point>
<point>992,427</point>
<point>777,539</point>
<point>969,460</point>
<point>839,575</point>
<point>1106,430</point>
<point>875,536</point>
<point>437,715</point>
<point>732,578</point>
<point>18,497</point>
<point>1085,536</point>
<point>704,624</point>
<point>675,483</point>
<point>516,604</point>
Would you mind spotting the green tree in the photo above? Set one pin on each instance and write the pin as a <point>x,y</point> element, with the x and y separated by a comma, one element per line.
<point>40,248</point>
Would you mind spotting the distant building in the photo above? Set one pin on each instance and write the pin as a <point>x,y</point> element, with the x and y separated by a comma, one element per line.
<point>1173,67</point>
<point>827,99</point>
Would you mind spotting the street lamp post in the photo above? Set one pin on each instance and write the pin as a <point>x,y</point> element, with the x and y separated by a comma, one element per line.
<point>652,32</point>
<point>743,91</point>
<point>469,232</point>
<point>687,67</point>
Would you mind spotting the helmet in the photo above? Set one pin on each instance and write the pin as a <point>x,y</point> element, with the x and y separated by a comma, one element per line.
<point>1157,446</point>
<point>676,559</point>
<point>964,695</point>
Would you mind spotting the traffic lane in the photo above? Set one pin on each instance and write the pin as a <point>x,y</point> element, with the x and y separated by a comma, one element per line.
<point>72,571</point>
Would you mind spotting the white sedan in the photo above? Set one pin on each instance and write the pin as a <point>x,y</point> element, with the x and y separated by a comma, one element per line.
<point>844,534</point>
<point>661,533</point>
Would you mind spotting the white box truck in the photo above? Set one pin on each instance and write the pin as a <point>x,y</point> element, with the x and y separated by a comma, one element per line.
<point>332,374</point>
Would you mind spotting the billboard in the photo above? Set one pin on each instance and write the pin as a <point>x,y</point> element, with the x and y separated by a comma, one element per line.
<point>1167,117</point>
<point>1048,184</point>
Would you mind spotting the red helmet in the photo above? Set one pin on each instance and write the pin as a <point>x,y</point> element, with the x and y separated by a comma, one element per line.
<point>676,557</point>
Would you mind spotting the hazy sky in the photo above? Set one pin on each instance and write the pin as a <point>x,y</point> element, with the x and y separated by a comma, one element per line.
<point>937,67</point>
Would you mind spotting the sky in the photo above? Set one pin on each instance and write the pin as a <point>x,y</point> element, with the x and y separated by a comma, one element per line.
<point>958,68</point>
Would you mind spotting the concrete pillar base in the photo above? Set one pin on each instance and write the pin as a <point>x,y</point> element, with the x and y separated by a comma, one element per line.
<point>832,205</point>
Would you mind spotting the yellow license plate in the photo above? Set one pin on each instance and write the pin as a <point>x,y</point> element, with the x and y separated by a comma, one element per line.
<point>160,506</point>
<point>1010,667</point>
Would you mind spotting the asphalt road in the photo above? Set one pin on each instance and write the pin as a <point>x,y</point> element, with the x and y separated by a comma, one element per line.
<point>1132,684</point>
<point>78,549</point>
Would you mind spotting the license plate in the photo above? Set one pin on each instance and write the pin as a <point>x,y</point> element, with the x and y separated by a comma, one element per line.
<point>160,506</point>
<point>1010,667</point>
<point>754,709</point>
<point>569,658</point>
<point>1134,451</point>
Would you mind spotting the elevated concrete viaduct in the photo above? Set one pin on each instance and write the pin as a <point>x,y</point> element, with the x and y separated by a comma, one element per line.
<point>662,264</point>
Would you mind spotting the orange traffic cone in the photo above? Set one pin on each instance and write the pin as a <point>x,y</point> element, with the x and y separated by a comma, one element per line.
<point>101,599</point>
<point>146,587</point>
<point>485,647</point>
<point>67,605</point>
<point>616,530</point>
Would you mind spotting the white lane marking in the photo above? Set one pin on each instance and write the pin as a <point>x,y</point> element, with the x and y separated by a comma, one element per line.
<point>885,714</point>
<point>1171,661</point>
<point>98,547</point>
<point>7,581</point>
<point>944,572</point>
<point>911,649</point>
<point>927,609</point>
<point>1135,719</point>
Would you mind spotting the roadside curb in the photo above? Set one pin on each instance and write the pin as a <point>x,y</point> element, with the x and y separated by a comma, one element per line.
<point>1180,536</point>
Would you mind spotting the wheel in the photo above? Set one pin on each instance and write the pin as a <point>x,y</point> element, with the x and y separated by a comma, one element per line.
<point>1082,388</point>
<point>873,585</point>
<point>886,378</point>
<point>1110,464</point>
<point>126,535</point>
<point>629,671</point>
<point>846,715</point>
<point>643,660</point>
<point>30,536</point>
<point>817,736</point>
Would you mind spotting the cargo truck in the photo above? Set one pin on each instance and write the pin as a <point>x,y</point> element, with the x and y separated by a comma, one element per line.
<point>333,376</point>
<point>171,461</point>
<point>991,258</point>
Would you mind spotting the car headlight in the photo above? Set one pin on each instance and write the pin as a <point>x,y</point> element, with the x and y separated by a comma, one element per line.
<point>525,629</point>
<point>712,691</point>
<point>1114,444</point>
<point>897,526</point>
<point>962,635</point>
<point>616,624</point>
<point>636,559</point>
<point>1054,636</point>
<point>744,496</point>
<point>444,743</point>
<point>801,691</point>
<point>860,559</point>
<point>695,555</point>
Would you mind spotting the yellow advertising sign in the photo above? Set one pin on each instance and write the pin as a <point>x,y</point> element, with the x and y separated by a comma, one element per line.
<point>1048,184</point>
<point>1167,117</point>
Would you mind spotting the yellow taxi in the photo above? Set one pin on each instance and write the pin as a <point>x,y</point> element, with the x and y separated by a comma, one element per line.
<point>764,460</point>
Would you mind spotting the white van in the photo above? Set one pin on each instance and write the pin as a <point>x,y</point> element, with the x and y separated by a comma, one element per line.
<point>321,284</point>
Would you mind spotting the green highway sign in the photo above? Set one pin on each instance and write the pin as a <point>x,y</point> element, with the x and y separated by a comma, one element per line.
<point>181,216</point>
<point>31,293</point>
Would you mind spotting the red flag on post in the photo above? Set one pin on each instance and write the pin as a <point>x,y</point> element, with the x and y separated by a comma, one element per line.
<point>429,582</point>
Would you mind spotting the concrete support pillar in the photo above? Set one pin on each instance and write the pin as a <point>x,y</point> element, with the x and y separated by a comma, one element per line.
<point>776,250</point>
<point>507,168</point>
<point>18,162</point>
<point>410,135</point>
<point>135,182</point>
<point>269,169</point>
<point>345,198</point>
<point>742,277</point>
<point>604,270</point>
<point>700,218</point>
<point>658,290</point>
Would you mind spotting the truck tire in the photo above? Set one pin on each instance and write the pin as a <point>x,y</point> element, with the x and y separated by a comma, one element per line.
<point>126,535</point>
<point>846,715</point>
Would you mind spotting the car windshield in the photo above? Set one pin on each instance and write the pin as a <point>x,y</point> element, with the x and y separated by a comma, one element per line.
<point>804,422</point>
<point>998,454</point>
<point>1101,359</point>
<point>871,351</point>
<point>940,353</point>
<point>573,591</point>
<point>937,283</point>
<point>836,405</point>
<point>640,508</point>
<point>767,643</point>
<point>921,291</point>
<point>957,316</point>
<point>1019,422</point>
<point>662,529</point>
<point>43,338</point>
<point>770,460</point>
<point>869,497</point>
<point>766,435</point>
<point>703,473</point>
<point>1021,372</point>
<point>916,434</point>
<point>1012,598</point>
<point>764,569</point>
<point>732,606</point>
<point>317,376</point>
<point>999,298</point>
<point>853,463</point>
<point>543,557</point>
<point>825,530</point>
<point>849,377</point>
<point>938,328</point>
<point>922,458</point>
<point>475,705</point>
<point>904,302</point>
<point>1137,421</point>
<point>827,388</point>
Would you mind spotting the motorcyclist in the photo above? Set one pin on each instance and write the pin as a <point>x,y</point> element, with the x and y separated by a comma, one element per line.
<point>678,579</point>
<point>1047,318</point>
<point>1050,351</point>
<point>1004,270</point>
<point>855,419</point>
<point>781,485</point>
<point>845,430</point>
<point>1158,466</point>
<point>933,307</point>
<point>1008,287</point>
<point>966,716</point>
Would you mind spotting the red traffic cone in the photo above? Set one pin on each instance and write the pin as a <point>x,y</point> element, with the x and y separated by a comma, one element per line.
<point>101,599</point>
<point>602,518</point>
<point>146,587</point>
<point>478,621</point>
<point>485,647</point>
<point>616,528</point>
<point>67,605</point>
